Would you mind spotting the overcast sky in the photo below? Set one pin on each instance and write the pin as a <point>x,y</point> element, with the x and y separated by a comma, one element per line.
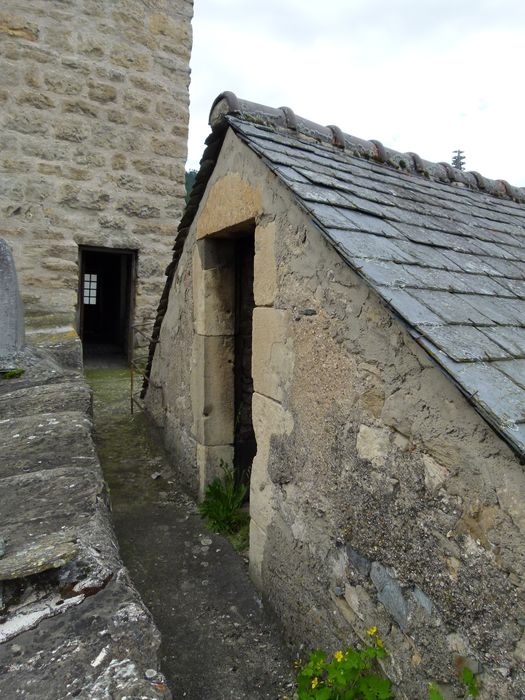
<point>427,76</point>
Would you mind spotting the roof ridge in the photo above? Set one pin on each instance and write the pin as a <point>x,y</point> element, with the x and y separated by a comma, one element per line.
<point>228,104</point>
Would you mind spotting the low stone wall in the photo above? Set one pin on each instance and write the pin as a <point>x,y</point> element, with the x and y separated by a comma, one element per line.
<point>72,624</point>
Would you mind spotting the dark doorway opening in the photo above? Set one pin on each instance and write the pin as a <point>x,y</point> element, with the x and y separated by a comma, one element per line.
<point>105,302</point>
<point>245,446</point>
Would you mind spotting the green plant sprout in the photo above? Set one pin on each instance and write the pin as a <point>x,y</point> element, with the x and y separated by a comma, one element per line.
<point>221,506</point>
<point>13,373</point>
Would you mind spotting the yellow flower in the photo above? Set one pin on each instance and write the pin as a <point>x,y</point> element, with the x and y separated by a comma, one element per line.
<point>372,631</point>
<point>338,656</point>
<point>315,682</point>
<point>380,643</point>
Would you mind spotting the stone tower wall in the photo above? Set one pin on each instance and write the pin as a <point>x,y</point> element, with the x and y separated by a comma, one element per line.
<point>93,139</point>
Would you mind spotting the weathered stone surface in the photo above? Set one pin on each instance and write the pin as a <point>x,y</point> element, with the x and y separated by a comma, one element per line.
<point>18,27</point>
<point>270,420</point>
<point>44,440</point>
<point>265,278</point>
<point>390,594</point>
<point>212,389</point>
<point>72,623</point>
<point>110,661</point>
<point>435,473</point>
<point>272,362</point>
<point>64,396</point>
<point>101,92</point>
<point>373,444</point>
<point>209,460</point>
<point>51,552</point>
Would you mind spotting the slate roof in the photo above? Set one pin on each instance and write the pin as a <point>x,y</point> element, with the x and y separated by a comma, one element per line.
<point>443,248</point>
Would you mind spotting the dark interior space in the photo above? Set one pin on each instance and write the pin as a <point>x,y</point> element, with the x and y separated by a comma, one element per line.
<point>105,302</point>
<point>245,446</point>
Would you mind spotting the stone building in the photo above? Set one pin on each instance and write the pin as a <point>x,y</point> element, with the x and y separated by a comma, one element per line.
<point>93,131</point>
<point>381,385</point>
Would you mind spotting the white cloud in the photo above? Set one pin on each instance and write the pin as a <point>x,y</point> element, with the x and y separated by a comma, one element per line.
<point>427,76</point>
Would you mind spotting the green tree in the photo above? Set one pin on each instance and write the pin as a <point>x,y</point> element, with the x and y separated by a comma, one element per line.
<point>458,159</point>
<point>190,176</point>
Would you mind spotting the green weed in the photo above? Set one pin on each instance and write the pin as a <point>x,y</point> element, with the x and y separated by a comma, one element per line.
<point>13,373</point>
<point>352,674</point>
<point>222,503</point>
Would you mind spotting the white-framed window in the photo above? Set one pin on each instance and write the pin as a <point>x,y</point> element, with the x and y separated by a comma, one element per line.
<point>90,289</point>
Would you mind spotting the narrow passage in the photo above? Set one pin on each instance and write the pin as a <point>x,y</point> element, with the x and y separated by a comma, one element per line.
<point>217,641</point>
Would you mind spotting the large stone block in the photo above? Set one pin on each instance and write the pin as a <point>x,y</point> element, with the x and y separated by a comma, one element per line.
<point>214,287</point>
<point>269,419</point>
<point>212,389</point>
<point>272,359</point>
<point>170,148</point>
<point>18,27</point>
<point>101,92</point>
<point>229,202</point>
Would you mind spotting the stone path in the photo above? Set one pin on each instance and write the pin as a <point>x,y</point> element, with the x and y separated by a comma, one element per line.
<point>218,641</point>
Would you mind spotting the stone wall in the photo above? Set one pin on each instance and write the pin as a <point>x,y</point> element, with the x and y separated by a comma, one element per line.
<point>72,623</point>
<point>93,130</point>
<point>169,387</point>
<point>378,495</point>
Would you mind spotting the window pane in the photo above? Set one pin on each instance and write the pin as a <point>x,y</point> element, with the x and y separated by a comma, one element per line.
<point>90,288</point>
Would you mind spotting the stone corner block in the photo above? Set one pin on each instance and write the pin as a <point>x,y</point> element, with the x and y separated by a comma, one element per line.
<point>213,288</point>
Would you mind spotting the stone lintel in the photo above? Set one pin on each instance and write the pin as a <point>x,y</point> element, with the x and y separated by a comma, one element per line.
<point>229,202</point>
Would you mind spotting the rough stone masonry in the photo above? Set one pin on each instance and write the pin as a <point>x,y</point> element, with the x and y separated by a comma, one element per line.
<point>93,130</point>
